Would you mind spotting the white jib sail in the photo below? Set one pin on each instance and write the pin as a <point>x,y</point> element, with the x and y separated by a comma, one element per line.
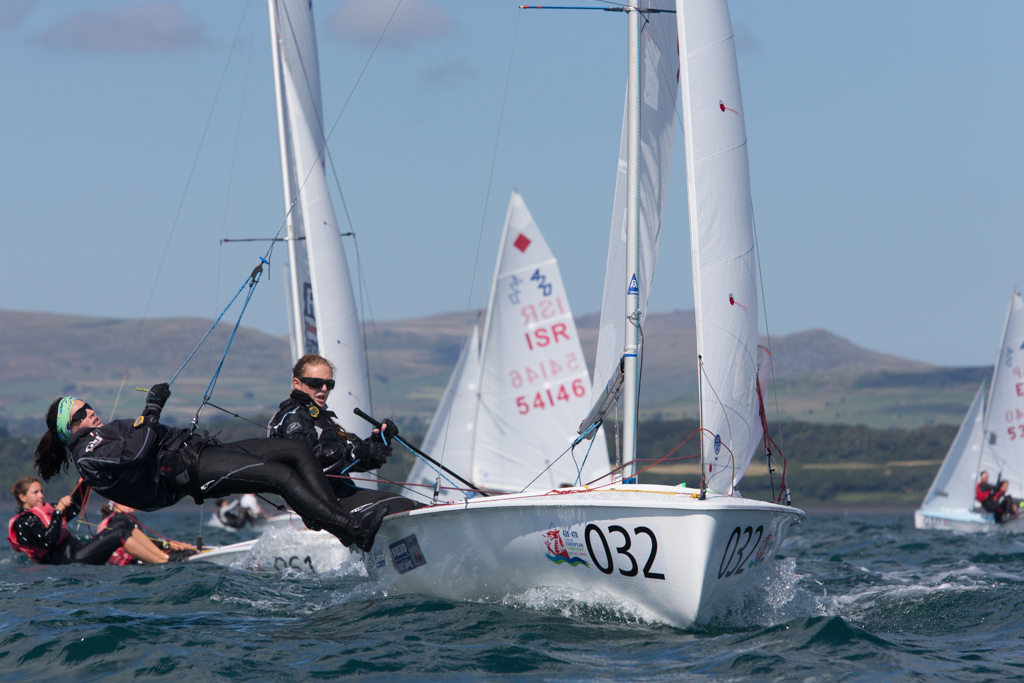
<point>721,239</point>
<point>1003,449</point>
<point>449,438</point>
<point>659,90</point>
<point>953,488</point>
<point>321,299</point>
<point>534,384</point>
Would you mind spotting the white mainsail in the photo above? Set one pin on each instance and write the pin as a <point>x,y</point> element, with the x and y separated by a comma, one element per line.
<point>721,240</point>
<point>449,439</point>
<point>953,488</point>
<point>321,304</point>
<point>1003,449</point>
<point>659,79</point>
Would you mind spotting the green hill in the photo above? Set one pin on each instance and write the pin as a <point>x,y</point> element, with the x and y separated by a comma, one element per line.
<point>818,377</point>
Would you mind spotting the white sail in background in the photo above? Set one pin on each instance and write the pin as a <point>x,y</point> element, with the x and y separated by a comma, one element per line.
<point>534,383</point>
<point>953,488</point>
<point>659,90</point>
<point>322,307</point>
<point>449,438</point>
<point>1003,448</point>
<point>721,239</point>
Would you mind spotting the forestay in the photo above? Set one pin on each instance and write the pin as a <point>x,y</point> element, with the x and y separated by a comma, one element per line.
<point>659,90</point>
<point>721,239</point>
<point>534,387</point>
<point>1003,451</point>
<point>321,304</point>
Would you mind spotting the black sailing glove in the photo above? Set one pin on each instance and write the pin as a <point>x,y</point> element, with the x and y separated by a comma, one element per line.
<point>371,454</point>
<point>155,400</point>
<point>390,432</point>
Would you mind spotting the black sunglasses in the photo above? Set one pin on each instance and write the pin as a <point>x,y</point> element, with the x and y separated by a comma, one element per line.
<point>80,414</point>
<point>317,383</point>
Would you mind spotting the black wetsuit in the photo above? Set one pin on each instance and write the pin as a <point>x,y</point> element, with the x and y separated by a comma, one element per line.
<point>301,419</point>
<point>148,466</point>
<point>30,530</point>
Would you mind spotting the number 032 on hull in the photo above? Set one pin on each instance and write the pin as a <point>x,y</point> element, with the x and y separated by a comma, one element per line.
<point>667,555</point>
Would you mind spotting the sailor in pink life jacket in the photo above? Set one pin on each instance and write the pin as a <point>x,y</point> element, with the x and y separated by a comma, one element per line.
<point>112,514</point>
<point>40,531</point>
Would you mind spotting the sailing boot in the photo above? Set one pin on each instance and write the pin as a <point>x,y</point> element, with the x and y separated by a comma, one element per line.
<point>348,528</point>
<point>370,522</point>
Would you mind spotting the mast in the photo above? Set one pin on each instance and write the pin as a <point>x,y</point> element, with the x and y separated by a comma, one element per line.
<point>632,312</point>
<point>294,308</point>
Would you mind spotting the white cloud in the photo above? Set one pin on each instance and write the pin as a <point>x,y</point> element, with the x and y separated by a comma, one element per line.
<point>415,21</point>
<point>13,12</point>
<point>155,26</point>
<point>449,74</point>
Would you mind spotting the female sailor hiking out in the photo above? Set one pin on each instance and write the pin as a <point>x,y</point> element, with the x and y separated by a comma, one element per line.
<point>146,465</point>
<point>40,530</point>
<point>304,417</point>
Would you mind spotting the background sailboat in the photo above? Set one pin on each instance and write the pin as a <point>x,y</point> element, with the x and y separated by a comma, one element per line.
<point>991,440</point>
<point>511,406</point>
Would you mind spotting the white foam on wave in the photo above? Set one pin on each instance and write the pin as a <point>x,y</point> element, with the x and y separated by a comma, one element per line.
<point>783,595</point>
<point>591,604</point>
<point>298,550</point>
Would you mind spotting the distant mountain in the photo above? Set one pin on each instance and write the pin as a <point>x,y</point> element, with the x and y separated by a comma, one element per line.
<point>818,376</point>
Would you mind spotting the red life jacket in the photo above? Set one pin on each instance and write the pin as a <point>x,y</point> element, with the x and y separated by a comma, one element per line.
<point>119,557</point>
<point>982,496</point>
<point>44,513</point>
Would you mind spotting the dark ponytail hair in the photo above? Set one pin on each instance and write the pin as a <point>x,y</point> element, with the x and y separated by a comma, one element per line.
<point>51,453</point>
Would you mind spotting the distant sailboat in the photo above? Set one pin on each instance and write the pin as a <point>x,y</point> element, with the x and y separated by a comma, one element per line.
<point>988,440</point>
<point>515,398</point>
<point>670,552</point>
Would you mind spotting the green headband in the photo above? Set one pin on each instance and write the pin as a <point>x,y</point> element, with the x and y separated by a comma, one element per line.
<point>64,418</point>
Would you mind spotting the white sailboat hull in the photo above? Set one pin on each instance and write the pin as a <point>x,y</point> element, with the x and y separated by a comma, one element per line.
<point>965,521</point>
<point>657,548</point>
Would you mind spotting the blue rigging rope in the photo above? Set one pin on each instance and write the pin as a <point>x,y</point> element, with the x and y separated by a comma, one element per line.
<point>253,281</point>
<point>248,280</point>
<point>579,472</point>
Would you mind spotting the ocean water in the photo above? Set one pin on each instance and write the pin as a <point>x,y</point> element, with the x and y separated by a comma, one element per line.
<point>853,597</point>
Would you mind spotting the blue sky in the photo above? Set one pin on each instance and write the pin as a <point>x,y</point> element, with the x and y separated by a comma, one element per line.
<point>885,147</point>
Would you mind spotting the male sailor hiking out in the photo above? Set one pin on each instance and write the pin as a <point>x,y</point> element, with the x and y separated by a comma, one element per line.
<point>304,417</point>
<point>149,466</point>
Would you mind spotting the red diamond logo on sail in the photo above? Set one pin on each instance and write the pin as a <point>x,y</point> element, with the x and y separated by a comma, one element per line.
<point>521,243</point>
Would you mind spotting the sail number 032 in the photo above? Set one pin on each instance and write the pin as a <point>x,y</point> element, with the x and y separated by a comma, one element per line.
<point>595,537</point>
<point>737,552</point>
